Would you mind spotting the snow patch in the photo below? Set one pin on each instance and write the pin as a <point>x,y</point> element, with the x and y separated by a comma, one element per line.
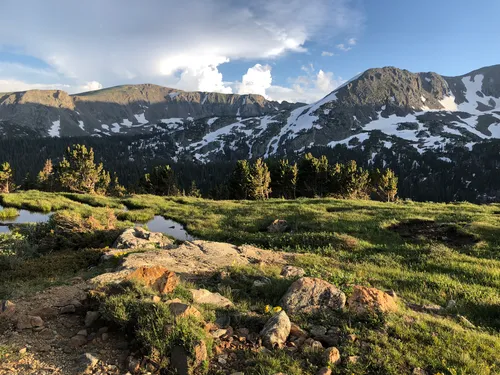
<point>55,129</point>
<point>81,125</point>
<point>211,121</point>
<point>141,119</point>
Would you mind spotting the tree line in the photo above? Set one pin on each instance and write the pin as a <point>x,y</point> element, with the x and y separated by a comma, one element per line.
<point>309,177</point>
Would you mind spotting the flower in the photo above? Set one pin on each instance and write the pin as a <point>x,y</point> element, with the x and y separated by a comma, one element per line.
<point>277,309</point>
<point>267,308</point>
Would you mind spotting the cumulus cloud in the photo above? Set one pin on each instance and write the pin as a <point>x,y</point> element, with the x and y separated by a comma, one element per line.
<point>256,81</point>
<point>352,41</point>
<point>327,53</point>
<point>343,47</point>
<point>166,42</point>
<point>92,86</point>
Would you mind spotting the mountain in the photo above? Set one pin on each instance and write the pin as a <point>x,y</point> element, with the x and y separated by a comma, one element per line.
<point>388,107</point>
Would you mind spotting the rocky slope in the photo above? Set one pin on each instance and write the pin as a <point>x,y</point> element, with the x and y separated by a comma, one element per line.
<point>421,110</point>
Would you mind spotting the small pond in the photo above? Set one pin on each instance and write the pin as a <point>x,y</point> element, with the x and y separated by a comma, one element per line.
<point>24,217</point>
<point>169,227</point>
<point>157,224</point>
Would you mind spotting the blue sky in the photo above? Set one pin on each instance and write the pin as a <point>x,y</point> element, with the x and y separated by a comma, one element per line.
<point>292,50</point>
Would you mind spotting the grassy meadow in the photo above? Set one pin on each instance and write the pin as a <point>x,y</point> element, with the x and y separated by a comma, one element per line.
<point>428,253</point>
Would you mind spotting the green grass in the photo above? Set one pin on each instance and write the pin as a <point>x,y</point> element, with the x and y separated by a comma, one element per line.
<point>350,242</point>
<point>8,213</point>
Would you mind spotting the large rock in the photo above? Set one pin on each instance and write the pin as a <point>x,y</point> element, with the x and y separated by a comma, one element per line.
<point>7,309</point>
<point>292,271</point>
<point>365,300</point>
<point>158,278</point>
<point>276,331</point>
<point>138,237</point>
<point>207,297</point>
<point>183,310</point>
<point>312,295</point>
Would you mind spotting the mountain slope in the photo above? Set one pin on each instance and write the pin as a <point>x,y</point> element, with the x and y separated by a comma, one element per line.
<point>420,111</point>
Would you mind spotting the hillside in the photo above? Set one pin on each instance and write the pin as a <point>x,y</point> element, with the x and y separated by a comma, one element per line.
<point>411,288</point>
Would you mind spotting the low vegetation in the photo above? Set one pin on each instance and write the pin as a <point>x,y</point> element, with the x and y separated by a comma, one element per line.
<point>428,253</point>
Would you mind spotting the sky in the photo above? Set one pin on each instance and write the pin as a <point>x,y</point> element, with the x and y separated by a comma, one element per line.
<point>294,50</point>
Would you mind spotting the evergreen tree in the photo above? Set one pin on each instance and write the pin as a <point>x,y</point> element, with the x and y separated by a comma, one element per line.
<point>116,189</point>
<point>334,179</point>
<point>354,181</point>
<point>6,178</point>
<point>194,191</point>
<point>284,179</point>
<point>241,180</point>
<point>79,173</point>
<point>308,175</point>
<point>385,184</point>
<point>260,180</point>
<point>103,183</point>
<point>45,179</point>
<point>161,181</point>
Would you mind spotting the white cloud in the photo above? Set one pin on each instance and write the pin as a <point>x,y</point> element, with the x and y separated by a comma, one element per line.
<point>343,47</point>
<point>92,86</point>
<point>256,81</point>
<point>166,42</point>
<point>10,85</point>
<point>308,88</point>
<point>327,53</point>
<point>352,41</point>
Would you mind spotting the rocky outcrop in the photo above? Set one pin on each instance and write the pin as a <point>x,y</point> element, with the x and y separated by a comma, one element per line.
<point>204,296</point>
<point>140,238</point>
<point>312,295</point>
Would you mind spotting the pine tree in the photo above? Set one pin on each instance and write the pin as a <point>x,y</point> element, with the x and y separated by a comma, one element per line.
<point>194,191</point>
<point>6,178</point>
<point>385,184</point>
<point>334,179</point>
<point>260,180</point>
<point>309,175</point>
<point>79,173</point>
<point>284,179</point>
<point>240,181</point>
<point>161,181</point>
<point>104,181</point>
<point>354,181</point>
<point>45,179</point>
<point>116,189</point>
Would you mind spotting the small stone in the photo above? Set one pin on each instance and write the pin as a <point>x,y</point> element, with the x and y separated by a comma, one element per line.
<point>351,337</point>
<point>82,332</point>
<point>223,321</point>
<point>292,271</point>
<point>105,337</point>
<point>261,283</point>
<point>242,333</point>
<point>23,350</point>
<point>352,359</point>
<point>219,333</point>
<point>222,360</point>
<point>36,321</point>
<point>91,318</point>
<point>296,331</point>
<point>311,344</point>
<point>419,371</point>
<point>103,330</point>
<point>278,226</point>
<point>324,371</point>
<point>332,356</point>
<point>7,309</point>
<point>452,304</point>
<point>317,331</point>
<point>77,341</point>
<point>69,309</point>
<point>46,334</point>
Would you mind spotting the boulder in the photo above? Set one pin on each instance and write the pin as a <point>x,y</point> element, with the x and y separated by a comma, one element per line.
<point>276,331</point>
<point>91,317</point>
<point>365,300</point>
<point>277,226</point>
<point>332,356</point>
<point>158,278</point>
<point>28,321</point>
<point>312,295</point>
<point>140,238</point>
<point>296,331</point>
<point>292,271</point>
<point>207,297</point>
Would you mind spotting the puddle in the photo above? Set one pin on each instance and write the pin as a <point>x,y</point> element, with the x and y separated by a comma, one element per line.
<point>169,227</point>
<point>24,217</point>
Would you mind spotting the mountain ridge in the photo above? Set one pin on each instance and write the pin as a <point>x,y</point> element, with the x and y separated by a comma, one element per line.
<point>426,111</point>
